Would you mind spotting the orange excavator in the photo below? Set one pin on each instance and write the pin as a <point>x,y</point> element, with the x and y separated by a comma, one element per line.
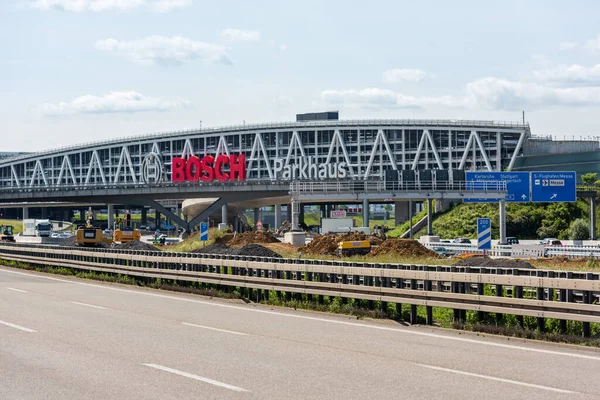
<point>126,232</point>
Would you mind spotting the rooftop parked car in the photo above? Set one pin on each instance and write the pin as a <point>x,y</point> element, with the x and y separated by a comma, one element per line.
<point>551,242</point>
<point>462,240</point>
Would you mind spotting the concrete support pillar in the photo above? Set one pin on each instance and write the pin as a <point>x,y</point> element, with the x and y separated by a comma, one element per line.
<point>410,224</point>
<point>366,213</point>
<point>256,215</point>
<point>295,207</point>
<point>157,219</point>
<point>44,212</point>
<point>593,235</point>
<point>111,216</point>
<point>288,212</point>
<point>401,212</point>
<point>144,216</point>
<point>277,216</point>
<point>224,213</point>
<point>300,213</point>
<point>429,217</point>
<point>25,212</point>
<point>502,215</point>
<point>82,214</point>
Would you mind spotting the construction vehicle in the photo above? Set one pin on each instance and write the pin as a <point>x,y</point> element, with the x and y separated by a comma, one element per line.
<point>88,235</point>
<point>354,247</point>
<point>126,232</point>
<point>6,233</point>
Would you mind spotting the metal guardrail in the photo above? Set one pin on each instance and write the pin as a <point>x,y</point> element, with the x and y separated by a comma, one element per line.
<point>517,251</point>
<point>353,186</point>
<point>561,295</point>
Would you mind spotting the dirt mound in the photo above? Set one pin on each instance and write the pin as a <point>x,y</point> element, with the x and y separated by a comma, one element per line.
<point>252,237</point>
<point>135,245</point>
<point>224,239</point>
<point>491,263</point>
<point>328,244</point>
<point>257,250</point>
<point>403,247</point>
<point>215,248</point>
<point>252,249</point>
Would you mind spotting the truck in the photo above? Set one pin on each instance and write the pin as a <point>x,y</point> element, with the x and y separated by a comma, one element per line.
<point>37,227</point>
<point>341,225</point>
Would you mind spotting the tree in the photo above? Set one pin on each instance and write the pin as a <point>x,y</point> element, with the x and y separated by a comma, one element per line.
<point>579,230</point>
<point>590,178</point>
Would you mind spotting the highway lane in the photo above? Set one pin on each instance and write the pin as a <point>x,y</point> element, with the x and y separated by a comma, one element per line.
<point>112,341</point>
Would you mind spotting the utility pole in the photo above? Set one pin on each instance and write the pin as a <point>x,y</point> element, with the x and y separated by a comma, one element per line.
<point>523,117</point>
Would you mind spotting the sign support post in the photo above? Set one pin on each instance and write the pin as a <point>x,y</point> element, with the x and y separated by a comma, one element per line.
<point>502,215</point>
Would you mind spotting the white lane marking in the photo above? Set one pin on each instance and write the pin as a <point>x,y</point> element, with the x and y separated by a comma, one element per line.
<point>196,377</point>
<point>215,329</point>
<point>381,328</point>
<point>17,290</point>
<point>493,378</point>
<point>22,328</point>
<point>88,305</point>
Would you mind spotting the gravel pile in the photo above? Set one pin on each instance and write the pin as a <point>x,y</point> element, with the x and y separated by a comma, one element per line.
<point>403,247</point>
<point>492,263</point>
<point>252,249</point>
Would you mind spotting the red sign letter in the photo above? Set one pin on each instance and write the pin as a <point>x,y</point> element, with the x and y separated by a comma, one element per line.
<point>193,169</point>
<point>221,176</point>
<point>177,172</point>
<point>208,173</point>
<point>237,167</point>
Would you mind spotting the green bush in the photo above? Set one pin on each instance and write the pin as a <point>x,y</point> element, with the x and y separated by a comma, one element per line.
<point>579,230</point>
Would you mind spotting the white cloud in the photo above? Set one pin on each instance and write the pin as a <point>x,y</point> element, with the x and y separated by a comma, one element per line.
<point>568,45</point>
<point>403,75</point>
<point>108,5</point>
<point>283,101</point>
<point>165,51</point>
<point>494,93</point>
<point>237,35</point>
<point>383,98</point>
<point>113,102</point>
<point>282,47</point>
<point>570,75</point>
<point>593,44</point>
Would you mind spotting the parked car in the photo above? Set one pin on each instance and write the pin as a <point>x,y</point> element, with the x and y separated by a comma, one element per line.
<point>509,241</point>
<point>551,242</point>
<point>462,240</point>
<point>442,251</point>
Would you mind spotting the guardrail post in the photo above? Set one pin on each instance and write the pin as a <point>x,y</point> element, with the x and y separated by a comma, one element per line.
<point>413,307</point>
<point>499,293</point>
<point>518,294</point>
<point>428,309</point>
<point>455,289</point>
<point>480,292</point>
<point>587,299</point>
<point>541,323</point>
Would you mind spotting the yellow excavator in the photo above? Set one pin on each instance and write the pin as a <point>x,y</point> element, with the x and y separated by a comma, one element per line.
<point>6,234</point>
<point>126,232</point>
<point>88,235</point>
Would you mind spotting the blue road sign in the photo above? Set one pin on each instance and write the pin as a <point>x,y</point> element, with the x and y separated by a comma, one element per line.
<point>484,233</point>
<point>550,187</point>
<point>517,185</point>
<point>204,231</point>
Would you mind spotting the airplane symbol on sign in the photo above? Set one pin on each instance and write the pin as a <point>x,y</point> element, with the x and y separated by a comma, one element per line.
<point>523,197</point>
<point>553,196</point>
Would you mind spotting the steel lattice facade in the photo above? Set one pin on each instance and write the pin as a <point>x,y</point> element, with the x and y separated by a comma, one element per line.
<point>367,149</point>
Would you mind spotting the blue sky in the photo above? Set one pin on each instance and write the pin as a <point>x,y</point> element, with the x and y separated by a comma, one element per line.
<point>74,71</point>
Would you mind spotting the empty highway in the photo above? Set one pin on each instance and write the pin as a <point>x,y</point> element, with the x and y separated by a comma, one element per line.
<point>66,338</point>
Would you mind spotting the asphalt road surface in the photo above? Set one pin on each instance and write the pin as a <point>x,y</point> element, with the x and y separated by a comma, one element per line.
<point>63,338</point>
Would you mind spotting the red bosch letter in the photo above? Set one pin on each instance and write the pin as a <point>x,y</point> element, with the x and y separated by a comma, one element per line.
<point>221,176</point>
<point>193,169</point>
<point>208,173</point>
<point>177,169</point>
<point>237,167</point>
